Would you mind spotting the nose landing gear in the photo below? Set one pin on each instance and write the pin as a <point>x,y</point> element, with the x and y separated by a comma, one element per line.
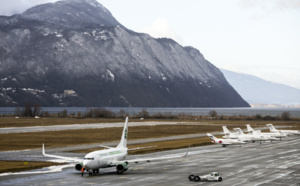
<point>91,172</point>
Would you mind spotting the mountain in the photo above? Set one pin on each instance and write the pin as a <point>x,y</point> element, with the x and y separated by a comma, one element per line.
<point>72,14</point>
<point>258,91</point>
<point>75,53</point>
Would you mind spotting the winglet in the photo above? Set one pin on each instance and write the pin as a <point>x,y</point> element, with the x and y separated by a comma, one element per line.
<point>187,151</point>
<point>43,150</point>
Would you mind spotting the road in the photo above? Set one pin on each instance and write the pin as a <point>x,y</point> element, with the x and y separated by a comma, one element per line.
<point>276,163</point>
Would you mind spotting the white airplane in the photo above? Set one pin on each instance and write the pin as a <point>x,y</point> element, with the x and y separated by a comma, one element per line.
<point>228,134</point>
<point>249,137</point>
<point>273,136</point>
<point>224,142</point>
<point>287,132</point>
<point>111,157</point>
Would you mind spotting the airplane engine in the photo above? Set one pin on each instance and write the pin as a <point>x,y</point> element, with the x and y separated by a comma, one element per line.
<point>122,167</point>
<point>78,166</point>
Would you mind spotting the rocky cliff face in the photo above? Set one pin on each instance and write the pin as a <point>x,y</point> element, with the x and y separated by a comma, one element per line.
<point>75,53</point>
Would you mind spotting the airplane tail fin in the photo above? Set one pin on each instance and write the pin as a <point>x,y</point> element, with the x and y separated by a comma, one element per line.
<point>271,127</point>
<point>123,142</point>
<point>239,130</point>
<point>213,138</point>
<point>249,128</point>
<point>225,129</point>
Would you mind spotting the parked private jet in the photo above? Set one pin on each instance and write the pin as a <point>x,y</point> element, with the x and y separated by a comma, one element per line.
<point>268,134</point>
<point>111,157</point>
<point>228,134</point>
<point>224,142</point>
<point>287,132</point>
<point>250,137</point>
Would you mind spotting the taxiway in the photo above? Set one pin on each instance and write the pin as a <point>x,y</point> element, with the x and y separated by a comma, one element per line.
<point>276,163</point>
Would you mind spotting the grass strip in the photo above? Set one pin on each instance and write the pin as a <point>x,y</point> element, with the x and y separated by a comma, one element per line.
<point>32,140</point>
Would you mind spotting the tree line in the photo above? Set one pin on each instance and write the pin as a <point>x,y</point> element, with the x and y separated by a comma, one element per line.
<point>34,110</point>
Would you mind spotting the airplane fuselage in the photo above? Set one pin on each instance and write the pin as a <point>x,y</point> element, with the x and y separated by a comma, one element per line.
<point>276,135</point>
<point>287,132</point>
<point>103,158</point>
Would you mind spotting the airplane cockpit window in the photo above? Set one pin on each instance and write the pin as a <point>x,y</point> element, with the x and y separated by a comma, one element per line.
<point>88,158</point>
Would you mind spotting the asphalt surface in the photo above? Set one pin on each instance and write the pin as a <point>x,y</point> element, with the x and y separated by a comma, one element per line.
<point>102,125</point>
<point>80,126</point>
<point>276,163</point>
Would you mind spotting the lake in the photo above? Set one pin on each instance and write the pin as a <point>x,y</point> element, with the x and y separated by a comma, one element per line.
<point>295,112</point>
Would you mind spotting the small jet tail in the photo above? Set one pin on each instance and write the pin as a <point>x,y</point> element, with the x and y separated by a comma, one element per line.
<point>249,128</point>
<point>225,129</point>
<point>271,127</point>
<point>123,142</point>
<point>213,138</point>
<point>239,131</point>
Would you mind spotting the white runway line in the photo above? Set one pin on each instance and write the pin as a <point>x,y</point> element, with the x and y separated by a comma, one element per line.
<point>280,175</point>
<point>288,151</point>
<point>51,169</point>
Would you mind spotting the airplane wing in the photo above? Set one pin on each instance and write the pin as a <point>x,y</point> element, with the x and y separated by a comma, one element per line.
<point>225,143</point>
<point>146,160</point>
<point>106,146</point>
<point>61,157</point>
<point>138,148</point>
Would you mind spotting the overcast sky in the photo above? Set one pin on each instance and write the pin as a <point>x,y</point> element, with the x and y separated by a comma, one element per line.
<point>258,37</point>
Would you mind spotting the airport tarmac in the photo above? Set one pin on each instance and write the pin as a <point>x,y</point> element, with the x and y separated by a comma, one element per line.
<point>80,126</point>
<point>103,125</point>
<point>276,163</point>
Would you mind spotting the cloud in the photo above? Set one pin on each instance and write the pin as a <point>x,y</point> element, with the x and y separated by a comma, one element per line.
<point>12,7</point>
<point>261,9</point>
<point>160,28</point>
<point>270,5</point>
<point>287,4</point>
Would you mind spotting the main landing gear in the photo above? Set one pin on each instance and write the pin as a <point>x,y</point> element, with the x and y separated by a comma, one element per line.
<point>91,172</point>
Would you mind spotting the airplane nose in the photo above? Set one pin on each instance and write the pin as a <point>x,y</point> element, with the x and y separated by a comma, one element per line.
<point>88,164</point>
<point>85,164</point>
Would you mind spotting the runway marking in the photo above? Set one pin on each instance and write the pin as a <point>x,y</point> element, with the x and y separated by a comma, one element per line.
<point>51,170</point>
<point>288,151</point>
<point>280,175</point>
<point>235,176</point>
<point>251,173</point>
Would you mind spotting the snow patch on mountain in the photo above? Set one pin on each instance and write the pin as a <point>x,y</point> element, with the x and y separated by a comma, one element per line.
<point>110,76</point>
